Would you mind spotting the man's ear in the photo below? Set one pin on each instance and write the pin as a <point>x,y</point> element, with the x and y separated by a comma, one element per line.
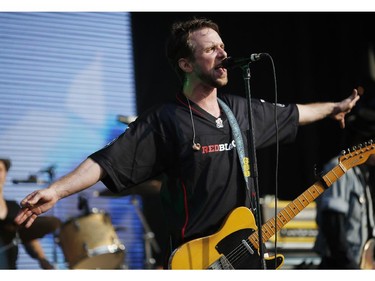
<point>185,65</point>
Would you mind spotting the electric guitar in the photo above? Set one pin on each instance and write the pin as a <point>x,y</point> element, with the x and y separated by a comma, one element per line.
<point>368,255</point>
<point>236,244</point>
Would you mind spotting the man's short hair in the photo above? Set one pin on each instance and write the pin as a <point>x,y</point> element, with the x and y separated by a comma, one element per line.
<point>178,46</point>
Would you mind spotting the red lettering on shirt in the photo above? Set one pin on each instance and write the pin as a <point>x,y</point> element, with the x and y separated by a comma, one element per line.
<point>217,147</point>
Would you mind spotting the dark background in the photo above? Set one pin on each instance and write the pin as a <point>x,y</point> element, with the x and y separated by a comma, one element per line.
<point>317,56</point>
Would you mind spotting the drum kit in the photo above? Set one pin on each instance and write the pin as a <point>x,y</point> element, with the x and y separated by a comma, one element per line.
<point>90,241</point>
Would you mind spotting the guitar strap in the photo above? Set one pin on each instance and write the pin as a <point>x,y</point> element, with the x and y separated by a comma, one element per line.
<point>237,136</point>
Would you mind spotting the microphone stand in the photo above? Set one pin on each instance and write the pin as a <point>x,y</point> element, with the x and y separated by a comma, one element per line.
<point>253,164</point>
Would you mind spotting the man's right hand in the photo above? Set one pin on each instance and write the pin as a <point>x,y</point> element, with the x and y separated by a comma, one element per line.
<point>34,204</point>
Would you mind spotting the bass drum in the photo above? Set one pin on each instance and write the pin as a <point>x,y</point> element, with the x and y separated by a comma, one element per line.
<point>90,242</point>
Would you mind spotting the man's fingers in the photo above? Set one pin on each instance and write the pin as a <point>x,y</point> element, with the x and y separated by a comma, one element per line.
<point>342,123</point>
<point>30,200</point>
<point>25,214</point>
<point>31,220</point>
<point>21,216</point>
<point>355,99</point>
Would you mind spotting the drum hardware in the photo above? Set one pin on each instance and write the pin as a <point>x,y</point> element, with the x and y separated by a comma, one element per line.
<point>86,248</point>
<point>149,237</point>
<point>76,225</point>
<point>15,242</point>
<point>113,248</point>
<point>90,242</point>
<point>147,188</point>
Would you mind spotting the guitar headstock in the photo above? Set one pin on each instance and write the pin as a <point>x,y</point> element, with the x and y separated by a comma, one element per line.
<point>357,155</point>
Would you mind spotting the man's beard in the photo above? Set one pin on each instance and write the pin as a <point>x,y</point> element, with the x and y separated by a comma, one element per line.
<point>215,83</point>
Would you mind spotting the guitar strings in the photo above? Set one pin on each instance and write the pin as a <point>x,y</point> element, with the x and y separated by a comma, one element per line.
<point>238,253</point>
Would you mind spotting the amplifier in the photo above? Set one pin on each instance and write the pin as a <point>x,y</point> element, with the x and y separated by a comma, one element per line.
<point>296,239</point>
<point>300,232</point>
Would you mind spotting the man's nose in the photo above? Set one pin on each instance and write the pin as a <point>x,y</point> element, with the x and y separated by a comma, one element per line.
<point>223,52</point>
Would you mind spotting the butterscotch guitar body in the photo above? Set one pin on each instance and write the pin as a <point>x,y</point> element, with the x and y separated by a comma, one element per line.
<point>229,248</point>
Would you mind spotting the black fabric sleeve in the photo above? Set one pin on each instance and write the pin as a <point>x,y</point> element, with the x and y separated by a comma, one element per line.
<point>265,128</point>
<point>134,157</point>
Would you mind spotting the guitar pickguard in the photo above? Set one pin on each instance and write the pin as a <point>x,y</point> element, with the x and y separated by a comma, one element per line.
<point>240,254</point>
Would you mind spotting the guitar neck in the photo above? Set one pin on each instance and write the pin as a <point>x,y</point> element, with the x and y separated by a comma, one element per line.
<point>274,224</point>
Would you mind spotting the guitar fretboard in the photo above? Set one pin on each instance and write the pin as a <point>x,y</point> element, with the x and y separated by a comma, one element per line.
<point>297,205</point>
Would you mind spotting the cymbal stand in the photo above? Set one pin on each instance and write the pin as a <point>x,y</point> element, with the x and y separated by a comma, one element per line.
<point>15,242</point>
<point>149,237</point>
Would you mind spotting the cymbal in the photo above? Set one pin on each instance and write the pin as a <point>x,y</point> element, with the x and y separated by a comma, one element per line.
<point>149,187</point>
<point>41,227</point>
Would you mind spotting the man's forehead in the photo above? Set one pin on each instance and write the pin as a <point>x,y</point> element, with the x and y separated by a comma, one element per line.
<point>205,37</point>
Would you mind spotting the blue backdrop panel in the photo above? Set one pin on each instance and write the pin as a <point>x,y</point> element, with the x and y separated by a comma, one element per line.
<point>64,78</point>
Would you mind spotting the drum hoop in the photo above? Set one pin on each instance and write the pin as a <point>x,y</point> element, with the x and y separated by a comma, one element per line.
<point>114,248</point>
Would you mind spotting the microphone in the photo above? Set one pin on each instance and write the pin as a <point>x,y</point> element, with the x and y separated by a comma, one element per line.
<point>30,179</point>
<point>48,170</point>
<point>230,62</point>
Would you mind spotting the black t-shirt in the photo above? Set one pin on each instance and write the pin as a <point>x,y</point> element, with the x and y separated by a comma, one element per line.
<point>8,232</point>
<point>201,187</point>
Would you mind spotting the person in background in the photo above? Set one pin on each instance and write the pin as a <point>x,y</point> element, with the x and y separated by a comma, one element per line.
<point>345,213</point>
<point>189,141</point>
<point>10,233</point>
